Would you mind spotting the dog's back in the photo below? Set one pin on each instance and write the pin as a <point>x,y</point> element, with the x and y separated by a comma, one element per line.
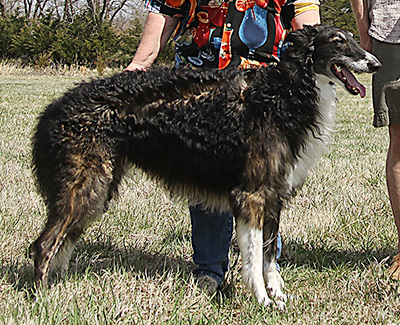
<point>167,123</point>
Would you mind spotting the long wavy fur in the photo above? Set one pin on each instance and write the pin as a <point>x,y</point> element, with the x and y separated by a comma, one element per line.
<point>226,139</point>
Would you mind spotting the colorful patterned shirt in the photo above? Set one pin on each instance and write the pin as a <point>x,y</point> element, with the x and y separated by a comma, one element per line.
<point>230,33</point>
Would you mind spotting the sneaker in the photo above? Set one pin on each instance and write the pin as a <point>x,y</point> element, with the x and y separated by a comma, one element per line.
<point>207,284</point>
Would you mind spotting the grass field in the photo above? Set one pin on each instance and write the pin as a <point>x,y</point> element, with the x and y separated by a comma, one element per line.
<point>134,264</point>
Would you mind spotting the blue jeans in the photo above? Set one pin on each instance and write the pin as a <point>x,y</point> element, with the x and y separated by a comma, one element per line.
<point>211,239</point>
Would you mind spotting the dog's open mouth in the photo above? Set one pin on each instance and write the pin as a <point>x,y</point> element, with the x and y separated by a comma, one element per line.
<point>349,80</point>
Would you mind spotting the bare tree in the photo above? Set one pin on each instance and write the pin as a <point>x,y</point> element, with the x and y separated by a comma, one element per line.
<point>106,10</point>
<point>2,10</point>
<point>98,10</point>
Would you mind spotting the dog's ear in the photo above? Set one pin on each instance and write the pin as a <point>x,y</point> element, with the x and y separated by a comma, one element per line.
<point>309,29</point>
<point>296,37</point>
<point>302,36</point>
<point>300,43</point>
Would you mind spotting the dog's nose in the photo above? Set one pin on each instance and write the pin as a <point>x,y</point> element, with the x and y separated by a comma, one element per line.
<point>374,65</point>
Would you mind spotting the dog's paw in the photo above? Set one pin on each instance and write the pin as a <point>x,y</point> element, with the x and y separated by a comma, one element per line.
<point>277,303</point>
<point>280,305</point>
<point>265,301</point>
<point>275,285</point>
<point>280,296</point>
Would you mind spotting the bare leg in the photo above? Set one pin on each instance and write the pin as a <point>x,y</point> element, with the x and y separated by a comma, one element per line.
<point>393,183</point>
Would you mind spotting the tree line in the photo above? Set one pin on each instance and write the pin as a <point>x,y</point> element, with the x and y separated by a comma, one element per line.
<point>80,32</point>
<point>92,32</point>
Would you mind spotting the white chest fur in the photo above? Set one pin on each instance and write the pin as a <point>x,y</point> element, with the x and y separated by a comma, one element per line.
<point>318,141</point>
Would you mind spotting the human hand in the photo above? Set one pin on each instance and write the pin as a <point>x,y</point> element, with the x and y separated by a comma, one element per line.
<point>134,66</point>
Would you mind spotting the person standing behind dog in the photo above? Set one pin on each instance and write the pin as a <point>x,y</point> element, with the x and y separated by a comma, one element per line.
<point>219,34</point>
<point>378,23</point>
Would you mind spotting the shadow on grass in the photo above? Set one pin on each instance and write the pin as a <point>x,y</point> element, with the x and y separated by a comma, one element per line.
<point>105,256</point>
<point>319,256</point>
<point>97,257</point>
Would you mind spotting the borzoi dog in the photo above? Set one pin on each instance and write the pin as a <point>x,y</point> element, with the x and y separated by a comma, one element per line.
<point>231,140</point>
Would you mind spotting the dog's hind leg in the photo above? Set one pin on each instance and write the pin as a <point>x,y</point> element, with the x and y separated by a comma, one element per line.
<point>48,245</point>
<point>272,278</point>
<point>61,259</point>
<point>78,203</point>
<point>249,211</point>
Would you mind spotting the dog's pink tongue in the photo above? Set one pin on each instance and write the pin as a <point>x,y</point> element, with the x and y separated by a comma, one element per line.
<point>353,82</point>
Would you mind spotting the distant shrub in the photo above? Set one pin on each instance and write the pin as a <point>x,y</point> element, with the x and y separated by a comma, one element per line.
<point>83,41</point>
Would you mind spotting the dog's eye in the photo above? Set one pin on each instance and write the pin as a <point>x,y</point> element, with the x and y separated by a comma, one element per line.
<point>338,39</point>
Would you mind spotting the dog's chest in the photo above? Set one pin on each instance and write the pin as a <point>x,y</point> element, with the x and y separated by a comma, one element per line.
<point>316,143</point>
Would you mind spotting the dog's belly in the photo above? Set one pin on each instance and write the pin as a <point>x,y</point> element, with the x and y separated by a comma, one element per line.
<point>191,176</point>
<point>191,167</point>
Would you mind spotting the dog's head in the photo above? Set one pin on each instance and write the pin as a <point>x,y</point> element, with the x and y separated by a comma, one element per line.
<point>333,52</point>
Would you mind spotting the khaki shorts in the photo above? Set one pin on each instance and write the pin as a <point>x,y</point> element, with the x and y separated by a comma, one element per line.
<point>386,84</point>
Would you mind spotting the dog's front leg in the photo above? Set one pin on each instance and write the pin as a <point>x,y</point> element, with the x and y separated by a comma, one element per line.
<point>250,244</point>
<point>272,278</point>
<point>248,209</point>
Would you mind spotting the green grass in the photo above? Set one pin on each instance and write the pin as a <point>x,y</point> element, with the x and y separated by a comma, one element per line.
<point>134,264</point>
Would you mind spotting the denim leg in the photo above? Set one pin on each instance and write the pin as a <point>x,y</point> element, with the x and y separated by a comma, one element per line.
<point>278,250</point>
<point>211,239</point>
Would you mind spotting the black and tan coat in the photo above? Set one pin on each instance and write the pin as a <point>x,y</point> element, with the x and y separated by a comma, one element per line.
<point>239,140</point>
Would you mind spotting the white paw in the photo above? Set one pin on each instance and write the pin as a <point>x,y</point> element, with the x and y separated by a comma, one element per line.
<point>265,301</point>
<point>280,305</point>
<point>280,296</point>
<point>275,284</point>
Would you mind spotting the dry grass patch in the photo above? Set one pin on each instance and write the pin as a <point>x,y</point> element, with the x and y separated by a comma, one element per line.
<point>16,68</point>
<point>134,264</point>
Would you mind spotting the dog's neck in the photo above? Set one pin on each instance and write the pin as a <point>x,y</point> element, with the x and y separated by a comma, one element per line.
<point>327,104</point>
